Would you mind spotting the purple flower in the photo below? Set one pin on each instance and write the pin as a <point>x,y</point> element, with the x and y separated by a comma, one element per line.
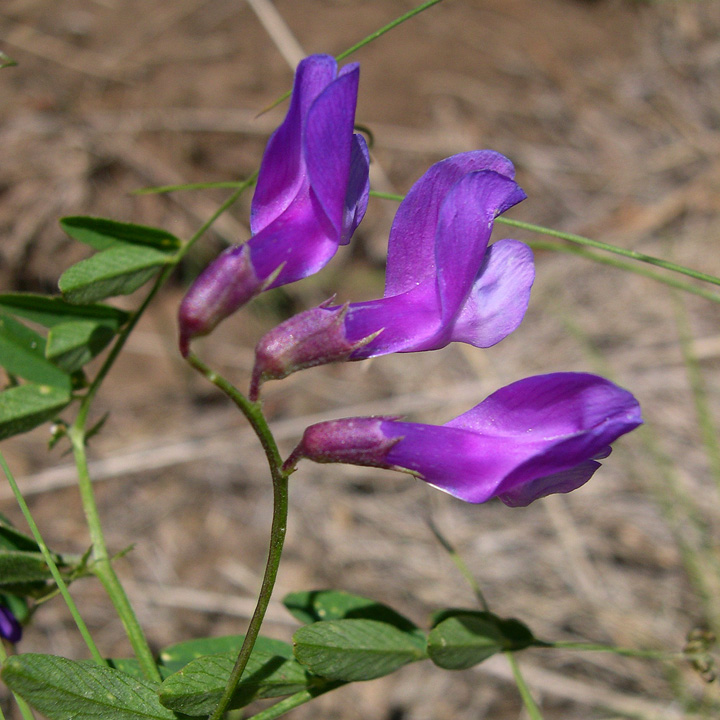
<point>443,282</point>
<point>535,437</point>
<point>10,628</point>
<point>311,194</point>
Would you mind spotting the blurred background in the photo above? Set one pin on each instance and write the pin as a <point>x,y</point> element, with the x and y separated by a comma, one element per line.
<point>610,110</point>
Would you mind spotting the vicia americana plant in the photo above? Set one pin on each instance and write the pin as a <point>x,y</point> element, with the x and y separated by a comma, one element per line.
<point>445,282</point>
<point>312,191</point>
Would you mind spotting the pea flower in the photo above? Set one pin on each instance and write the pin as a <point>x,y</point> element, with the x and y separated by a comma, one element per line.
<point>10,628</point>
<point>443,282</point>
<point>312,191</point>
<point>538,436</point>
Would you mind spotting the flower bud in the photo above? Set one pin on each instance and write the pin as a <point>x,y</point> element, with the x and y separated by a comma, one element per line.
<point>356,441</point>
<point>537,436</point>
<point>225,285</point>
<point>10,628</point>
<point>310,338</point>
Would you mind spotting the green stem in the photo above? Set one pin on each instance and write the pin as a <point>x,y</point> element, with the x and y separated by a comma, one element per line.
<point>52,566</point>
<point>460,565</point>
<point>102,567</point>
<point>530,705</point>
<point>293,701</point>
<point>626,266</point>
<point>365,41</point>
<point>255,417</point>
<point>588,242</point>
<point>708,430</point>
<point>386,28</point>
<point>624,652</point>
<point>222,184</point>
<point>232,199</point>
<point>24,708</point>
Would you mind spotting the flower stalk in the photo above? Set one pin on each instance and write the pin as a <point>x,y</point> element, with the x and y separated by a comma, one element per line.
<point>253,412</point>
<point>52,566</point>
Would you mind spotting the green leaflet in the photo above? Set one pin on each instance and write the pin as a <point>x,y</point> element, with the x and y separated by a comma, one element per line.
<point>198,687</point>
<point>67,690</point>
<point>352,650</point>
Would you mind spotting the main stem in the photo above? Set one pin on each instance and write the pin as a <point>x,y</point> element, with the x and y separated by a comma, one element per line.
<point>277,539</point>
<point>255,417</point>
<point>102,567</point>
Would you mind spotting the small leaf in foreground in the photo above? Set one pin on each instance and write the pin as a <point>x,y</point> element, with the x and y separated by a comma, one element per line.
<point>22,353</point>
<point>26,406</point>
<point>12,539</point>
<point>120,270</point>
<point>352,650</point>
<point>49,311</point>
<point>18,567</point>
<point>198,687</point>
<point>67,690</point>
<point>311,606</point>
<point>175,657</point>
<point>102,233</point>
<point>465,638</point>
<point>6,61</point>
<point>73,344</point>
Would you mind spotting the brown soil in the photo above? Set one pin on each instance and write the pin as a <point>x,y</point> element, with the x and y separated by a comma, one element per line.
<point>610,110</point>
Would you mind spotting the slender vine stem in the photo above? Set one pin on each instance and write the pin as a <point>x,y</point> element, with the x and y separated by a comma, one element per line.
<point>527,698</point>
<point>52,566</point>
<point>625,652</point>
<point>460,565</point>
<point>365,41</point>
<point>531,706</point>
<point>387,28</point>
<point>597,244</point>
<point>254,415</point>
<point>299,698</point>
<point>668,280</point>
<point>632,254</point>
<point>102,567</point>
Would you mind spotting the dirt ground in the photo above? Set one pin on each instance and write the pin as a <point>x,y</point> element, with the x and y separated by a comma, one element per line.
<point>610,110</point>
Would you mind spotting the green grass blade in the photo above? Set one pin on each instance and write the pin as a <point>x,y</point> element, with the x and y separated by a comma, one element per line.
<point>386,28</point>
<point>632,254</point>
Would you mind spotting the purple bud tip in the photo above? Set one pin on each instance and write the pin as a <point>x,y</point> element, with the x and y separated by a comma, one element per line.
<point>226,284</point>
<point>313,337</point>
<point>356,441</point>
<point>10,628</point>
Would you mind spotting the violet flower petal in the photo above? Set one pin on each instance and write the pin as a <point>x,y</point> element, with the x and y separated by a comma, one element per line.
<point>564,481</point>
<point>498,300</point>
<point>468,299</point>
<point>534,437</point>
<point>464,226</point>
<point>282,171</point>
<point>411,245</point>
<point>358,192</point>
<point>10,628</point>
<point>328,145</point>
<point>312,192</point>
<point>297,244</point>
<point>405,323</point>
